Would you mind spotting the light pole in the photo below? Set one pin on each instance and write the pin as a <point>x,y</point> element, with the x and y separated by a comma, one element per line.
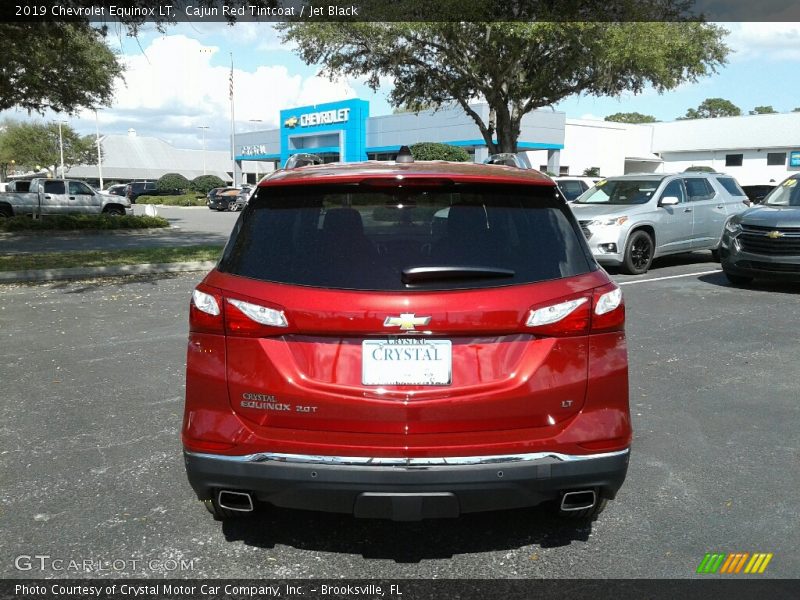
<point>204,127</point>
<point>61,147</point>
<point>98,139</point>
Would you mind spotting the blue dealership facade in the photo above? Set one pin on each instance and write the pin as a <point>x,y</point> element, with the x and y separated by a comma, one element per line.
<point>344,131</point>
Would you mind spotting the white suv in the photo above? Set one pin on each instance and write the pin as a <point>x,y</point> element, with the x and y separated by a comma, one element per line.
<point>632,219</point>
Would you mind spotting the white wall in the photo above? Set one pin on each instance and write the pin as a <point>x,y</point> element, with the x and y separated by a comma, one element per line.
<point>754,169</point>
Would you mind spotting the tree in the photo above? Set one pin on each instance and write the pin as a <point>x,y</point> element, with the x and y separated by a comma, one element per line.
<point>31,144</point>
<point>60,66</point>
<point>796,109</point>
<point>763,110</point>
<point>515,67</point>
<point>631,117</point>
<point>435,151</point>
<point>712,108</point>
<point>205,183</point>
<point>592,171</point>
<point>172,182</point>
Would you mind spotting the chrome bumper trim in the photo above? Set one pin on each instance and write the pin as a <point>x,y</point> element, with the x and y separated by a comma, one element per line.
<point>545,457</point>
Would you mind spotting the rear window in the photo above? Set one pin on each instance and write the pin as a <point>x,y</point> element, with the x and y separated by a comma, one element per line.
<point>731,186</point>
<point>453,237</point>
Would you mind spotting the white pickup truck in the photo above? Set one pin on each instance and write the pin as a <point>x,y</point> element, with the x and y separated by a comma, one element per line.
<point>61,197</point>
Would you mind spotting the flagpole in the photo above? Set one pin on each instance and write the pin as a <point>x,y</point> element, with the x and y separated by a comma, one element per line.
<point>233,127</point>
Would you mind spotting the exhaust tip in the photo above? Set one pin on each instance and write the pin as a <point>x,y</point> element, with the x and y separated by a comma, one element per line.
<point>579,500</point>
<point>238,501</point>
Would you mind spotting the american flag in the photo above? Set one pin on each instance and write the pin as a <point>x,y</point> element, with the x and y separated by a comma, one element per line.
<point>230,84</point>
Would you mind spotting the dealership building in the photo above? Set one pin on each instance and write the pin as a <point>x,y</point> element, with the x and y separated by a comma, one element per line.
<point>755,149</point>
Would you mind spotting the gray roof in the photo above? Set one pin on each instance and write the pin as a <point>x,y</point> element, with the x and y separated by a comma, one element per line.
<point>134,157</point>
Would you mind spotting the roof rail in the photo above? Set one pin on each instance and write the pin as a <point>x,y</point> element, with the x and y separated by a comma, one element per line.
<point>302,160</point>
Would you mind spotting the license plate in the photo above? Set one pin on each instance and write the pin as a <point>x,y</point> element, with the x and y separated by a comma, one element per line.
<point>406,361</point>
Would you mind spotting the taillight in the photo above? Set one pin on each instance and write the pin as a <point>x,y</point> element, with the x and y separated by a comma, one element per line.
<point>211,312</point>
<point>205,311</point>
<point>603,311</point>
<point>250,319</point>
<point>609,309</point>
<point>569,316</point>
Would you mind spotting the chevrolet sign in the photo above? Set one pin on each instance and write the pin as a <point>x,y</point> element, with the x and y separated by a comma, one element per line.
<point>325,117</point>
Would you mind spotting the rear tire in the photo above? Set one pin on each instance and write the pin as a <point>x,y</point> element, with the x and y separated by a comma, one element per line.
<point>738,279</point>
<point>587,514</point>
<point>638,253</point>
<point>5,212</point>
<point>114,211</point>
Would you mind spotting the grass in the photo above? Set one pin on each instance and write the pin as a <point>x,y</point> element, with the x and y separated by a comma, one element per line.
<point>188,199</point>
<point>81,222</point>
<point>107,258</point>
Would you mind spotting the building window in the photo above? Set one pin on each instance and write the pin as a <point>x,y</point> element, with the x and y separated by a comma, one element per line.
<point>776,159</point>
<point>733,160</point>
<point>563,171</point>
<point>543,168</point>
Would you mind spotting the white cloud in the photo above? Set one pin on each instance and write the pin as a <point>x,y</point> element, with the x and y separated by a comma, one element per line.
<point>770,41</point>
<point>170,88</point>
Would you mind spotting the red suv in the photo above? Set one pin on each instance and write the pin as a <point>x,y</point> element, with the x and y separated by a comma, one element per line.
<point>406,340</point>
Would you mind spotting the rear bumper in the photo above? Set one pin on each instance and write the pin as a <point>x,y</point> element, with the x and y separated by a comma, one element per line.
<point>406,489</point>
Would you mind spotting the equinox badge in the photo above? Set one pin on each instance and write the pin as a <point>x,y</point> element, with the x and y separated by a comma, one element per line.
<point>406,321</point>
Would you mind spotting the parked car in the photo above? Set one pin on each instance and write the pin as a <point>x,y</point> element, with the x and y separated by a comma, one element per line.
<point>242,197</point>
<point>632,219</point>
<point>147,188</point>
<point>61,196</point>
<point>757,193</point>
<point>347,356</point>
<point>221,198</point>
<point>572,187</point>
<point>764,242</point>
<point>118,189</point>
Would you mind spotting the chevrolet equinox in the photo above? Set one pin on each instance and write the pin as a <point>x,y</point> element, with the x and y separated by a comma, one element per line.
<point>406,340</point>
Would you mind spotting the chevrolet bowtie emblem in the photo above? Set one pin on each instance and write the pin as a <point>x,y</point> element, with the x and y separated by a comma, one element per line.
<point>774,235</point>
<point>406,321</point>
<point>291,122</point>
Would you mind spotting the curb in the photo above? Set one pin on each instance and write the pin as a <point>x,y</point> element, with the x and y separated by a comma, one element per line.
<point>116,271</point>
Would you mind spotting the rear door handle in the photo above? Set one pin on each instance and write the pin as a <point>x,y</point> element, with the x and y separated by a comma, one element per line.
<point>72,197</point>
<point>687,210</point>
<point>720,206</point>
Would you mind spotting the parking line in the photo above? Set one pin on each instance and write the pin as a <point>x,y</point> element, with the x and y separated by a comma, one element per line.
<point>670,277</point>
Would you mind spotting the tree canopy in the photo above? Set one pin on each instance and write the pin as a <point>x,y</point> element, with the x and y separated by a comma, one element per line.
<point>515,67</point>
<point>763,110</point>
<point>37,144</point>
<point>712,108</point>
<point>630,117</point>
<point>58,66</point>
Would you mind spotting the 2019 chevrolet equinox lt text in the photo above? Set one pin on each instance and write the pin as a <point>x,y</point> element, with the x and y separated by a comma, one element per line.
<point>406,340</point>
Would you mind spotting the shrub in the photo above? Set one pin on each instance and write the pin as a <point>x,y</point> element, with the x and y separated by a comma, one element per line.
<point>206,183</point>
<point>188,199</point>
<point>699,169</point>
<point>592,172</point>
<point>172,181</point>
<point>83,222</point>
<point>436,151</point>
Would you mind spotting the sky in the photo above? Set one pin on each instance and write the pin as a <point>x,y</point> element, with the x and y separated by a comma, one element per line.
<point>177,82</point>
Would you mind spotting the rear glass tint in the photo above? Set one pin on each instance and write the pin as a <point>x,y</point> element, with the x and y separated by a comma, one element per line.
<point>352,237</point>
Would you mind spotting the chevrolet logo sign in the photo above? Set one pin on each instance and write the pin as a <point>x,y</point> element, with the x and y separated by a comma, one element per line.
<point>774,235</point>
<point>291,122</point>
<point>406,321</point>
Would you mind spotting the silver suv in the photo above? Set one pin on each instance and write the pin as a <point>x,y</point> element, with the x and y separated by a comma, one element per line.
<point>632,219</point>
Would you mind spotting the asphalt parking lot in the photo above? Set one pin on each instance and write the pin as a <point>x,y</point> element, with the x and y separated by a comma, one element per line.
<point>91,468</point>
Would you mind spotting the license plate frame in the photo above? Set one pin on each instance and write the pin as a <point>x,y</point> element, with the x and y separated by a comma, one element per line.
<point>406,361</point>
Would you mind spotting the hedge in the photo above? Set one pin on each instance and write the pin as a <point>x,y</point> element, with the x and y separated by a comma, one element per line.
<point>82,222</point>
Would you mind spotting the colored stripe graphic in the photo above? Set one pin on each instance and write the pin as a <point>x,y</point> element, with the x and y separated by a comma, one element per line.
<point>734,562</point>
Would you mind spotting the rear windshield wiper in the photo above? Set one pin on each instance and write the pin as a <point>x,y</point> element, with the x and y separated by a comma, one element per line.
<point>424,274</point>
